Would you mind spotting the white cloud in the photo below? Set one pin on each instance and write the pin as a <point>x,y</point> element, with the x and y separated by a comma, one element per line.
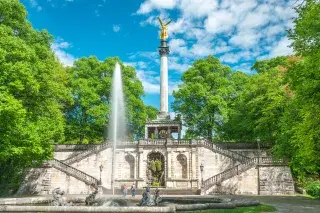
<point>230,57</point>
<point>58,48</point>
<point>202,49</point>
<point>150,84</point>
<point>253,20</point>
<point>221,47</point>
<point>175,64</point>
<point>173,85</point>
<point>245,38</point>
<point>149,5</point>
<point>281,48</point>
<point>116,28</point>
<point>220,21</point>
<point>137,65</point>
<point>179,46</point>
<point>197,8</point>
<point>35,4</point>
<point>245,67</point>
<point>150,79</point>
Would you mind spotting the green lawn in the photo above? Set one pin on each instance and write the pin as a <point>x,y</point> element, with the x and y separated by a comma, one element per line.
<point>253,209</point>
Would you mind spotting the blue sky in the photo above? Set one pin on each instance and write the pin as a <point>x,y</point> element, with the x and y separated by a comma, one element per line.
<point>236,31</point>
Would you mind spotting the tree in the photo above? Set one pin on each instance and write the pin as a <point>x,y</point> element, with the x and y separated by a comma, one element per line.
<point>202,97</point>
<point>258,104</point>
<point>236,127</point>
<point>32,94</point>
<point>152,112</point>
<point>87,118</point>
<point>300,138</point>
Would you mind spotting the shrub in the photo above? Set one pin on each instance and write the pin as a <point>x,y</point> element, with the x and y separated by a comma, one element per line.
<point>155,183</point>
<point>313,189</point>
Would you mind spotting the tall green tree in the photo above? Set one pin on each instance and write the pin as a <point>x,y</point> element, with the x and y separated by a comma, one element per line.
<point>236,127</point>
<point>300,138</point>
<point>32,94</point>
<point>87,118</point>
<point>202,97</point>
<point>259,103</point>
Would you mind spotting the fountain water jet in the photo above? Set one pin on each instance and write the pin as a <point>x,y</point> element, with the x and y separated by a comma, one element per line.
<point>117,124</point>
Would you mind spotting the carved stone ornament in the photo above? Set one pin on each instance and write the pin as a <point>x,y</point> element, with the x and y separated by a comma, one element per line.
<point>164,51</point>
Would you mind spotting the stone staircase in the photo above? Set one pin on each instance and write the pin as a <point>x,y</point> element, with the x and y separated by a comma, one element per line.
<point>94,149</point>
<point>69,170</point>
<point>246,163</point>
<point>216,148</point>
<point>46,183</point>
<point>86,153</point>
<point>236,170</point>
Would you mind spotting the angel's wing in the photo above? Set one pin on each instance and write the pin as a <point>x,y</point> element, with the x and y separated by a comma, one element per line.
<point>168,22</point>
<point>160,21</point>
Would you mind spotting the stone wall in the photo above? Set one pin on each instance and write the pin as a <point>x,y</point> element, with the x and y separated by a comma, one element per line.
<point>34,181</point>
<point>213,163</point>
<point>182,170</point>
<point>275,180</point>
<point>245,183</point>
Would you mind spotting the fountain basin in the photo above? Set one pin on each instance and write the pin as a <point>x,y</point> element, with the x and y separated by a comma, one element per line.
<point>168,204</point>
<point>127,209</point>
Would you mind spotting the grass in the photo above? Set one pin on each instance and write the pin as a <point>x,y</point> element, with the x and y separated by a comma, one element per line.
<point>253,209</point>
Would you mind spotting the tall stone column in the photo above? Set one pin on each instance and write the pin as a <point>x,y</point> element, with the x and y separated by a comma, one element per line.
<point>164,52</point>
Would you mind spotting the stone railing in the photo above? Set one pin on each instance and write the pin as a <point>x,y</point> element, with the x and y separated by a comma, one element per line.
<point>86,153</point>
<point>229,173</point>
<point>243,145</point>
<point>223,151</point>
<point>93,149</point>
<point>88,179</point>
<point>153,142</point>
<point>271,161</point>
<point>238,169</point>
<point>181,141</point>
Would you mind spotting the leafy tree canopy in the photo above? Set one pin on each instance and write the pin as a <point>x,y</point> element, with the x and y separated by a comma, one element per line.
<point>202,97</point>
<point>90,81</point>
<point>32,94</point>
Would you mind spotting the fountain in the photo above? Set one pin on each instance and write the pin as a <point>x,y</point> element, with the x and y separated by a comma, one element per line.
<point>117,124</point>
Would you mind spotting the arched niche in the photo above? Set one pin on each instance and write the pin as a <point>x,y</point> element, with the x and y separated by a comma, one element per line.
<point>130,161</point>
<point>181,166</point>
<point>156,169</point>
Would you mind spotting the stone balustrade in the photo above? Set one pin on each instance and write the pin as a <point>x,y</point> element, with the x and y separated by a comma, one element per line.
<point>238,169</point>
<point>88,179</point>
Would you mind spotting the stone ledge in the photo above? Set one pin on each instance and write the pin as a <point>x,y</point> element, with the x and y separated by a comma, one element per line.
<point>85,209</point>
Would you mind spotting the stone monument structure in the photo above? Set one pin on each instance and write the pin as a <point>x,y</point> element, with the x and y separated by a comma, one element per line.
<point>172,164</point>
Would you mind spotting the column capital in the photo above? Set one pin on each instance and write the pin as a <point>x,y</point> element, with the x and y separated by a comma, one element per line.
<point>164,51</point>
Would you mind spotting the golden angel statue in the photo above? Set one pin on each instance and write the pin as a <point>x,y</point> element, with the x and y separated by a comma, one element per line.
<point>164,28</point>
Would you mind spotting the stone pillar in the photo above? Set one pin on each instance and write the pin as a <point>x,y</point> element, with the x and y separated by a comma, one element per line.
<point>164,52</point>
<point>169,153</point>
<point>140,163</point>
<point>169,133</point>
<point>156,133</point>
<point>146,133</point>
